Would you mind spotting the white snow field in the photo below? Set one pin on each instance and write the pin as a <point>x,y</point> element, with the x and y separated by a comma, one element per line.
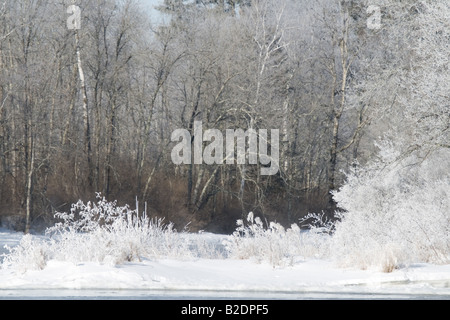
<point>194,278</point>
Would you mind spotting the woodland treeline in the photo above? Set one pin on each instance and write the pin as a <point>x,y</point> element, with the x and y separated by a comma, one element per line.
<point>93,109</point>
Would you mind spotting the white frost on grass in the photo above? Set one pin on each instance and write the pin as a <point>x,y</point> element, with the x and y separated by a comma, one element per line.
<point>217,275</point>
<point>102,246</point>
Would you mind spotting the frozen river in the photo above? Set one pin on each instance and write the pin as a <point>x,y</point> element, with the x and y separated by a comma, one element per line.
<point>90,294</point>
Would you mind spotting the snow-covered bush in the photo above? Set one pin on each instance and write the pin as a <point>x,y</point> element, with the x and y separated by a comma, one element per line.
<point>105,233</point>
<point>273,243</point>
<point>317,238</point>
<point>397,211</point>
<point>29,254</point>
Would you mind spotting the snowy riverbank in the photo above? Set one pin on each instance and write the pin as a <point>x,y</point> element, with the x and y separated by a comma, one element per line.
<point>201,278</point>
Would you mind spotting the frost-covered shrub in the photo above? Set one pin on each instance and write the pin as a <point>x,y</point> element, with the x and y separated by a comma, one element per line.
<point>273,244</point>
<point>396,212</point>
<point>317,238</point>
<point>29,254</point>
<point>105,233</point>
<point>254,241</point>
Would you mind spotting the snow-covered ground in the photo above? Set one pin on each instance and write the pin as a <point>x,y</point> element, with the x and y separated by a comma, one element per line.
<point>225,278</point>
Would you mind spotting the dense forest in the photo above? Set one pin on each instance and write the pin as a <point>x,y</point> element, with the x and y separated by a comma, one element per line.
<point>92,108</point>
